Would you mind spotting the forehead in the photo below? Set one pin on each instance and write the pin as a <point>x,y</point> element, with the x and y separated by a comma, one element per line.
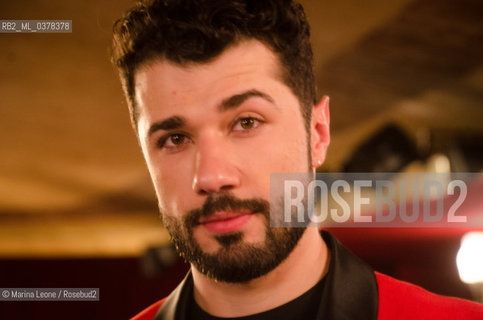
<point>249,63</point>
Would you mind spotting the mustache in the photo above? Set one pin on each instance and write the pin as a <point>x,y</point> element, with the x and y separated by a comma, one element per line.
<point>224,202</point>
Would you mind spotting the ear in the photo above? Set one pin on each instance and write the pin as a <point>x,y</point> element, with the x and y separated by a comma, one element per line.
<point>320,135</point>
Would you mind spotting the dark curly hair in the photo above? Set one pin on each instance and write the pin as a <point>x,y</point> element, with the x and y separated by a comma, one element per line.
<point>197,31</point>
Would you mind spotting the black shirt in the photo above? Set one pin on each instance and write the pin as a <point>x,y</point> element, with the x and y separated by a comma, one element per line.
<point>303,307</point>
<point>349,290</point>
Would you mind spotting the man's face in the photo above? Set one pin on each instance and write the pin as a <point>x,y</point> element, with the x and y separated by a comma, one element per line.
<point>212,134</point>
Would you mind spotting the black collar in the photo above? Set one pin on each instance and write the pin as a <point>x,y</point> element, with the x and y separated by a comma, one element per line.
<point>350,289</point>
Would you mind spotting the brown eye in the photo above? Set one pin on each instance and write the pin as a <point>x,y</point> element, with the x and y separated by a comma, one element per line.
<point>247,123</point>
<point>177,139</point>
<point>173,141</point>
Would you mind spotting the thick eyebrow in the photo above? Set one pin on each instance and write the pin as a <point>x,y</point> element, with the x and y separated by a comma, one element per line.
<point>176,122</point>
<point>170,123</point>
<point>236,100</point>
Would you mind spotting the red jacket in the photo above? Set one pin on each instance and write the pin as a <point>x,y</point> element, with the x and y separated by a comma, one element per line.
<point>397,300</point>
<point>352,290</point>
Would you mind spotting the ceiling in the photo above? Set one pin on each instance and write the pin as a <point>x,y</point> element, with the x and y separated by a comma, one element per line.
<point>67,147</point>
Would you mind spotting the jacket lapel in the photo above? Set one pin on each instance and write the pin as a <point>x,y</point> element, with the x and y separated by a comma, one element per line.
<point>177,303</point>
<point>350,290</point>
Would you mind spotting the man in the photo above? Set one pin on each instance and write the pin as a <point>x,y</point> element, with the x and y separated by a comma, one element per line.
<point>222,94</point>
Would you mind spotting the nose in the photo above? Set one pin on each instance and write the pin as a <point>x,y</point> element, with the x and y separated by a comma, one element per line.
<point>214,168</point>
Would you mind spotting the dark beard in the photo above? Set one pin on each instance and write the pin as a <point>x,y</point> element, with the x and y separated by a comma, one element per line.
<point>236,261</point>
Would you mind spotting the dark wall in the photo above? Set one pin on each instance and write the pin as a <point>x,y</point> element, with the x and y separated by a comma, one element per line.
<point>124,288</point>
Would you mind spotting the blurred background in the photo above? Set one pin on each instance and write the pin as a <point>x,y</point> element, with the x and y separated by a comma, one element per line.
<point>77,208</point>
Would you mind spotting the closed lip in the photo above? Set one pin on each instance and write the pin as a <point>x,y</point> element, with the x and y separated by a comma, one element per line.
<point>223,215</point>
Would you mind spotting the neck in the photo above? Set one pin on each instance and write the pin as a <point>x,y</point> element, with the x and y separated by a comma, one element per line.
<point>302,269</point>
